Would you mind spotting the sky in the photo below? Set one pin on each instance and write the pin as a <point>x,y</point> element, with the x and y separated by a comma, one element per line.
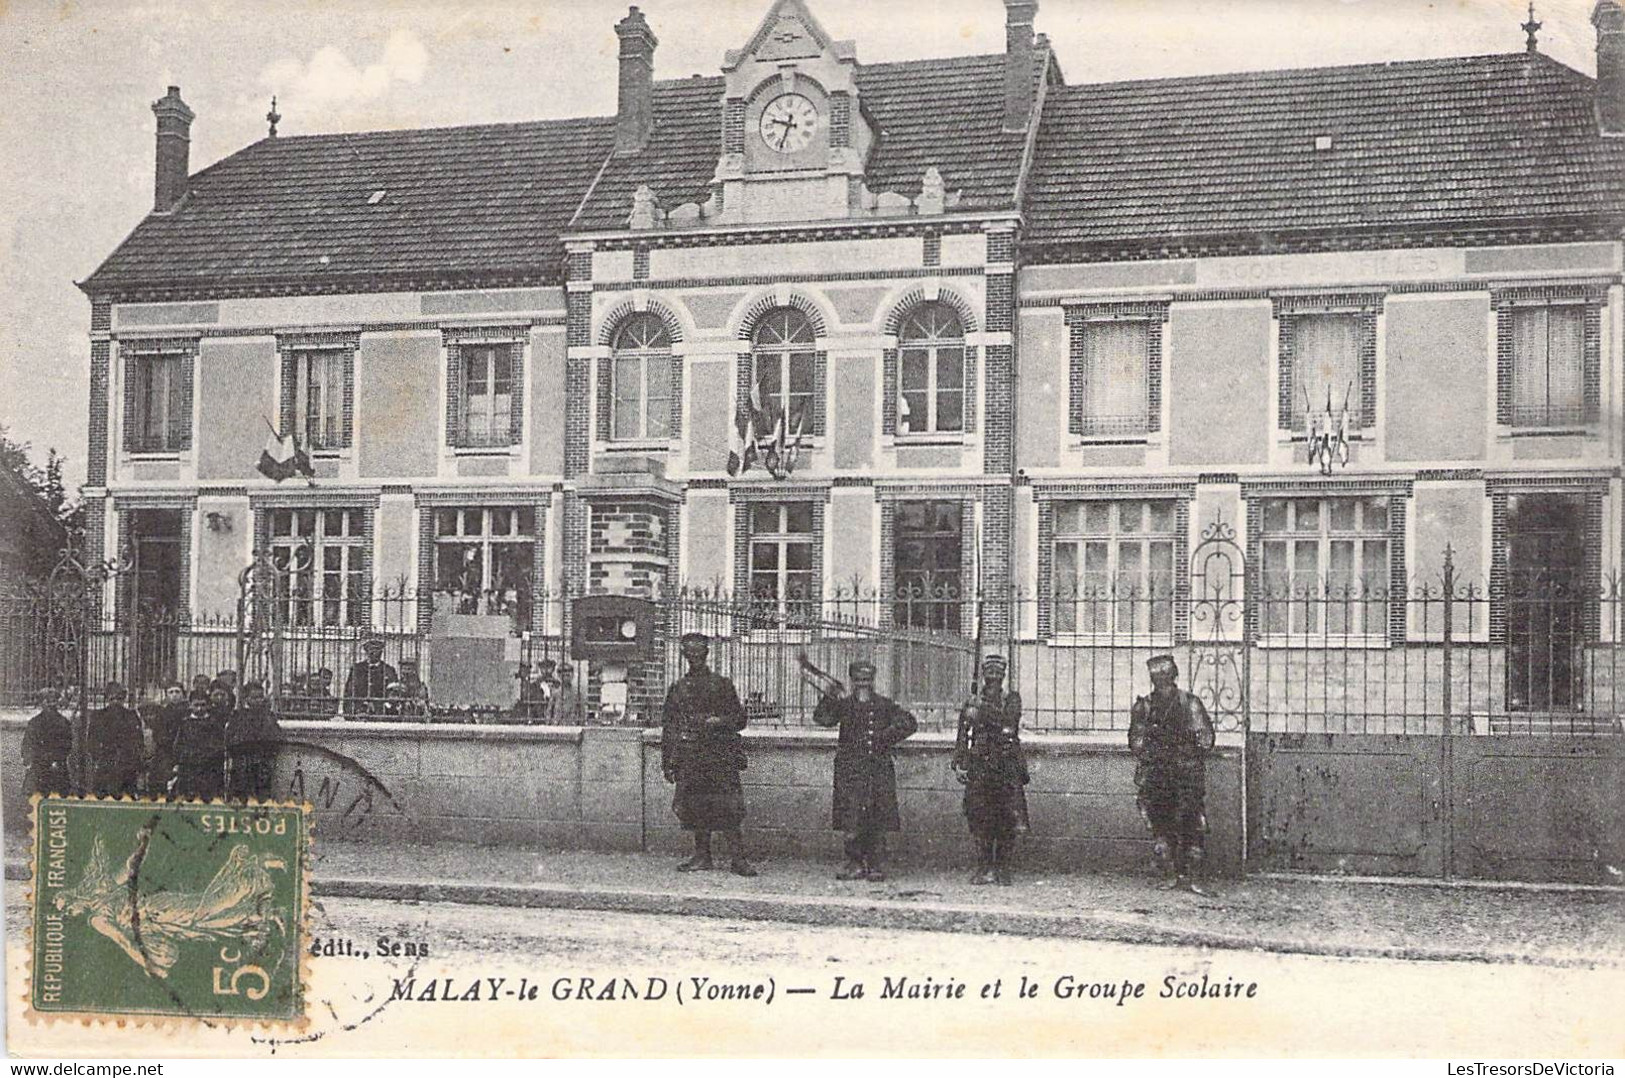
<point>79,78</point>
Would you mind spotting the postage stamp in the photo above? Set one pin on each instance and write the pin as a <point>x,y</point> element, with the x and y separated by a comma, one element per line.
<point>180,909</point>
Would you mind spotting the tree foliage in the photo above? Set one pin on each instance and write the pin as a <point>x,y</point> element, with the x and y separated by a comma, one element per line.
<point>45,481</point>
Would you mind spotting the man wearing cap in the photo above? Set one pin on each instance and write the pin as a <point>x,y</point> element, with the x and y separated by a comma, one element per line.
<point>989,761</point>
<point>702,753</point>
<point>252,734</point>
<point>865,804</point>
<point>367,688</point>
<point>114,743</point>
<point>1170,734</point>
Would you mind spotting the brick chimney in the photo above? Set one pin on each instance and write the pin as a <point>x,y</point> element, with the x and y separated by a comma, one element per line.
<point>635,116</point>
<point>1018,62</point>
<point>174,150</point>
<point>1609,19</point>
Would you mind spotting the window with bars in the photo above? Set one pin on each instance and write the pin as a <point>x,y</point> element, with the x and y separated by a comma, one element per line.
<point>1114,567</point>
<point>1548,365</point>
<point>319,392</point>
<point>161,416</point>
<point>487,394</point>
<point>783,577</point>
<point>929,560</point>
<point>1325,568</point>
<point>785,363</point>
<point>640,380</point>
<point>931,371</point>
<point>321,559</point>
<point>484,559</point>
<point>1326,368</point>
<point>1116,363</point>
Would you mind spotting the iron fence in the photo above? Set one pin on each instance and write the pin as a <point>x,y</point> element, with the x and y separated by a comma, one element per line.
<point>1306,655</point>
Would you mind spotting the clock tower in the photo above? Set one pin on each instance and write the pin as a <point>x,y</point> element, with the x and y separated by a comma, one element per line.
<point>794,135</point>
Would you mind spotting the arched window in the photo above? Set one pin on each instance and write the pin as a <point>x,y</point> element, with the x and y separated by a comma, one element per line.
<point>931,371</point>
<point>640,380</point>
<point>786,367</point>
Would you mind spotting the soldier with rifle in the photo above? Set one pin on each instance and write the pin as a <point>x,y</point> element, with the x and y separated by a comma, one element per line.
<point>702,753</point>
<point>989,761</point>
<point>1170,735</point>
<point>871,726</point>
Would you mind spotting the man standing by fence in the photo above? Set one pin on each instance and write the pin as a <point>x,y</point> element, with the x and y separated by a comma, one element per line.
<point>366,690</point>
<point>1170,735</point>
<point>989,761</point>
<point>252,734</point>
<point>702,753</point>
<point>113,740</point>
<point>865,804</point>
<point>47,744</point>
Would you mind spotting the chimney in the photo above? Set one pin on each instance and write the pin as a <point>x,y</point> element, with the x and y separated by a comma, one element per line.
<point>1609,19</point>
<point>635,118</point>
<point>1018,62</point>
<point>174,150</point>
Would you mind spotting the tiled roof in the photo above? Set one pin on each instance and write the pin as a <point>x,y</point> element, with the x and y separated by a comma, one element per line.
<point>948,113</point>
<point>494,200</point>
<point>1468,142</point>
<point>454,199</point>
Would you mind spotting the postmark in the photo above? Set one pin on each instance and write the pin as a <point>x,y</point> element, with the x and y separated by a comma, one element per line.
<point>184,910</point>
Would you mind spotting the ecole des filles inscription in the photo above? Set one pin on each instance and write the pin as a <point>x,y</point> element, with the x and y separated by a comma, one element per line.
<point>704,989</point>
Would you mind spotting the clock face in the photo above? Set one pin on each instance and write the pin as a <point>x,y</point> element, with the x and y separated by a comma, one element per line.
<point>788,123</point>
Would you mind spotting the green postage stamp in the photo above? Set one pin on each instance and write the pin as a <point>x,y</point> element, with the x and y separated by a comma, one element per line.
<point>169,909</point>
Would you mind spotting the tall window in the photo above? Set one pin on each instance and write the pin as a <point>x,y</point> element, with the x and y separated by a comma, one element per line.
<point>641,380</point>
<point>782,541</point>
<point>931,371</point>
<point>487,394</point>
<point>483,559</point>
<point>1325,567</point>
<point>1116,358</point>
<point>160,415</point>
<point>786,366</point>
<point>324,552</point>
<point>318,395</point>
<point>1114,567</point>
<point>928,560</point>
<point>1326,365</point>
<point>1548,363</point>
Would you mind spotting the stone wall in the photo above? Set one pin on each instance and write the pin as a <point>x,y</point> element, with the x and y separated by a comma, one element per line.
<point>601,788</point>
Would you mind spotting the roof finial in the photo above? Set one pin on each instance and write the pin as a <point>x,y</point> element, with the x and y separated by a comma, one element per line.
<point>1531,27</point>
<point>273,117</point>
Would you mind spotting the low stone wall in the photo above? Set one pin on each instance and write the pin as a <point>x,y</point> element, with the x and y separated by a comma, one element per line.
<point>601,788</point>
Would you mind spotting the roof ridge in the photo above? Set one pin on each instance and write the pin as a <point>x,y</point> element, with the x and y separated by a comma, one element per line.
<point>1370,65</point>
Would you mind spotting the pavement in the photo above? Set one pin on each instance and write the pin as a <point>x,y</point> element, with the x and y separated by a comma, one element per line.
<point>1330,916</point>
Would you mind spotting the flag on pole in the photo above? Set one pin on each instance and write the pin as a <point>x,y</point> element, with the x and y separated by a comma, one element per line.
<point>283,458</point>
<point>742,443</point>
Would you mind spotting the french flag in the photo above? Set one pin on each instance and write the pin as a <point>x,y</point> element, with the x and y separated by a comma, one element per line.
<point>282,458</point>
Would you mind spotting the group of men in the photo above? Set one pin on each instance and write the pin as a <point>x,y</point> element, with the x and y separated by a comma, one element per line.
<point>703,753</point>
<point>203,744</point>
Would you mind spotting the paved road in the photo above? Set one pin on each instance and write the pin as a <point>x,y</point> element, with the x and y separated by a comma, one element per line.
<point>1301,1004</point>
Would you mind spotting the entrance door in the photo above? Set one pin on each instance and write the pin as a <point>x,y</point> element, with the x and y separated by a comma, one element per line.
<point>1546,597</point>
<point>928,557</point>
<point>156,540</point>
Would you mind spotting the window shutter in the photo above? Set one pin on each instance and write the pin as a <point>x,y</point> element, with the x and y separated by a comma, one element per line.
<point>349,398</point>
<point>287,411</point>
<point>180,401</point>
<point>1077,375</point>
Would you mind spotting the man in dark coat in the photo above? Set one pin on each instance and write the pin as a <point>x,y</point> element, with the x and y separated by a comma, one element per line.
<point>865,804</point>
<point>989,761</point>
<point>47,744</point>
<point>164,723</point>
<point>114,747</point>
<point>702,753</point>
<point>366,690</point>
<point>1170,734</point>
<point>252,735</point>
<point>200,754</point>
